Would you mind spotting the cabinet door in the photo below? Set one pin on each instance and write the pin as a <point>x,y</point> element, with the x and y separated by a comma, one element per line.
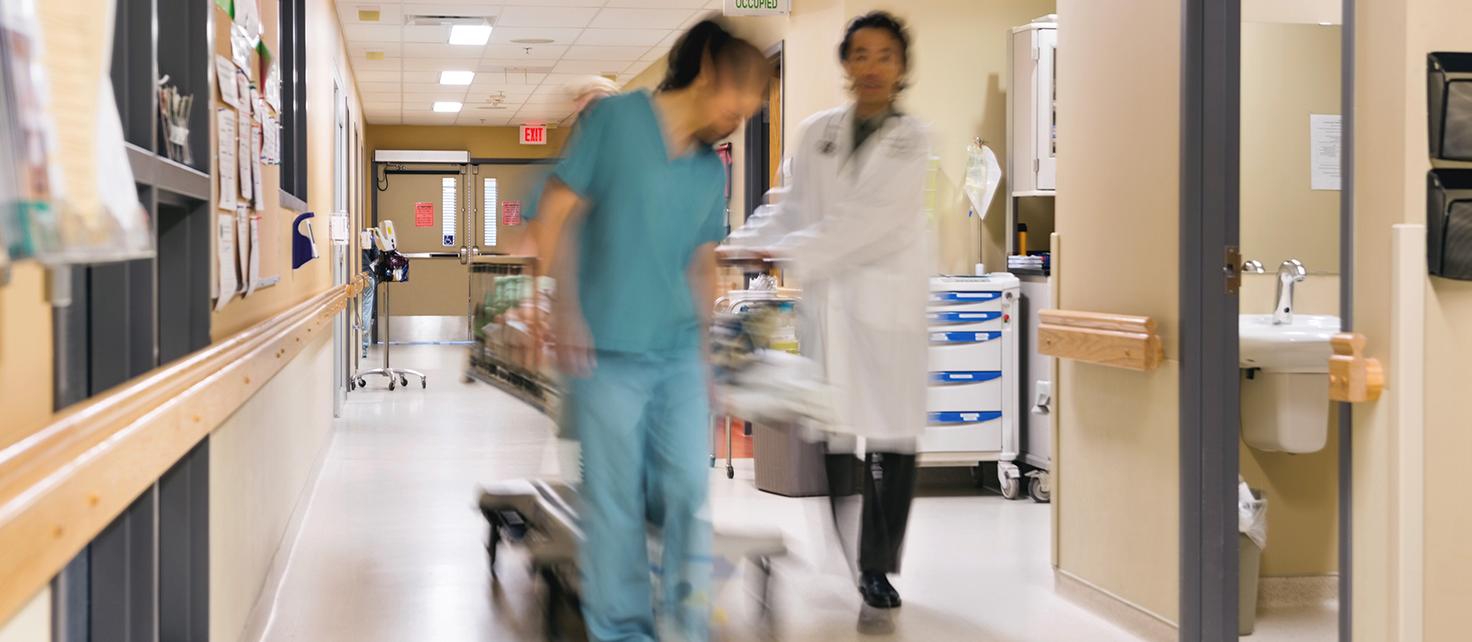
<point>1021,147</point>
<point>1046,122</point>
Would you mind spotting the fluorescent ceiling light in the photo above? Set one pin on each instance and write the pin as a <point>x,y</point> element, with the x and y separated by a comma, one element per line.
<point>470,34</point>
<point>446,106</point>
<point>456,77</point>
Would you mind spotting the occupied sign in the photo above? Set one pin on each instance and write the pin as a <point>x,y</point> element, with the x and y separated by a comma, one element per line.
<point>511,213</point>
<point>424,214</point>
<point>534,134</point>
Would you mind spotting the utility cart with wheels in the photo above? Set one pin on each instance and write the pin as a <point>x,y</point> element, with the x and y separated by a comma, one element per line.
<point>972,400</point>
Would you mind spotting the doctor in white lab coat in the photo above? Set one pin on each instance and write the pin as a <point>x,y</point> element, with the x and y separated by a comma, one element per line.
<point>851,221</point>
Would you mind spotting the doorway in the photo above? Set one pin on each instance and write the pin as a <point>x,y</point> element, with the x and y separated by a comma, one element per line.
<point>1256,137</point>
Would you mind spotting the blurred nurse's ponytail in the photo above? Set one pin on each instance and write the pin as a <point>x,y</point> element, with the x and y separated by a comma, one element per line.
<point>709,46</point>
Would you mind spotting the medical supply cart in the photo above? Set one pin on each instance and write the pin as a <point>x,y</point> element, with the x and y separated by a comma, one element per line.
<point>973,396</point>
<point>508,313</point>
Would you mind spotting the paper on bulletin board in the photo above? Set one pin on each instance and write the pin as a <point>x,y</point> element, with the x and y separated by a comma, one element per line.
<point>242,156</point>
<point>240,49</point>
<point>259,198</point>
<point>273,86</point>
<point>225,79</point>
<point>257,106</point>
<point>1325,150</point>
<point>225,135</point>
<point>242,89</point>
<point>511,213</point>
<point>424,214</point>
<point>270,140</point>
<point>253,273</point>
<point>243,246</point>
<point>225,260</point>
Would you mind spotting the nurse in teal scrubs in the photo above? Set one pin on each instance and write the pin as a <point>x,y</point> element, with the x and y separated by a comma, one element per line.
<point>641,190</point>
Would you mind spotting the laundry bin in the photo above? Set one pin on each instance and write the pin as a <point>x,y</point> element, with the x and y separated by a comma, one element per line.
<point>1252,515</point>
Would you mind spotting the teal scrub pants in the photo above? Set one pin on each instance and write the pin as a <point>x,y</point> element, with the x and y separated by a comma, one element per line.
<point>644,425</point>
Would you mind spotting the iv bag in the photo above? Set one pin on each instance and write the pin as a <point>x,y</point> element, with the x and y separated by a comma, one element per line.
<point>983,174</point>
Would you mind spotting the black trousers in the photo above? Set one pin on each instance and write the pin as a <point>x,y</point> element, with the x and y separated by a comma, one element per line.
<point>887,482</point>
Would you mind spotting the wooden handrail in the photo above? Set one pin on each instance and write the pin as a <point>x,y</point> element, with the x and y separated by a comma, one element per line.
<point>62,485</point>
<point>1117,340</point>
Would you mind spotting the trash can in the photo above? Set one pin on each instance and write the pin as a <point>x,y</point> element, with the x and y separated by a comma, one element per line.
<point>787,464</point>
<point>1252,530</point>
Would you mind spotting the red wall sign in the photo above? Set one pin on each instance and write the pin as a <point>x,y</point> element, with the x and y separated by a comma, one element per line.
<point>511,213</point>
<point>424,215</point>
<point>534,134</point>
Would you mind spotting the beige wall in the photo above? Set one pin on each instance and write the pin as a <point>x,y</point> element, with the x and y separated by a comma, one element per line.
<point>261,462</point>
<point>25,353</point>
<point>32,623</point>
<point>1289,71</point>
<point>1392,39</point>
<point>481,142</point>
<point>1118,433</point>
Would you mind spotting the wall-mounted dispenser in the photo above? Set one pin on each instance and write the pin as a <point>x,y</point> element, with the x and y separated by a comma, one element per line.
<point>1449,223</point>
<point>1449,90</point>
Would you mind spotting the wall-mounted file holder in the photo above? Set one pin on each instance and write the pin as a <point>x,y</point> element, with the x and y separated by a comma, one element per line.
<point>1449,223</point>
<point>1449,93</point>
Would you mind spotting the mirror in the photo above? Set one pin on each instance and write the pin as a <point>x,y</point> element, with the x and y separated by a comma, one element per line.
<point>1290,209</point>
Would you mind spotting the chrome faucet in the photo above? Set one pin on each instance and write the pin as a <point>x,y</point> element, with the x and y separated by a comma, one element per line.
<point>1290,272</point>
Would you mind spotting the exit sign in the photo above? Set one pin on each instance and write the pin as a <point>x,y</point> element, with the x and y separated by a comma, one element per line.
<point>534,134</point>
<point>756,7</point>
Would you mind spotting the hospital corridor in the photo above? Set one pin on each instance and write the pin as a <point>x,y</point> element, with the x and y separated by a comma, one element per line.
<point>735,320</point>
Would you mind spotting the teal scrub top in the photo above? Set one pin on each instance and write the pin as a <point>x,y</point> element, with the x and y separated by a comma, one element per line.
<point>647,214</point>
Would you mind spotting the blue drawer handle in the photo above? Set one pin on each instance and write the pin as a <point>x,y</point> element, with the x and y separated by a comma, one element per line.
<point>965,337</point>
<point>964,317</point>
<point>964,297</point>
<point>964,376</point>
<point>982,416</point>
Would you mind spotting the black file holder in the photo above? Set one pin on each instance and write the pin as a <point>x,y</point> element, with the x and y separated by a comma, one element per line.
<point>1449,94</point>
<point>1449,223</point>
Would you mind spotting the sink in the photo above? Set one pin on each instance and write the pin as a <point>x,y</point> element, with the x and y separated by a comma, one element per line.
<point>1285,381</point>
<point>1299,347</point>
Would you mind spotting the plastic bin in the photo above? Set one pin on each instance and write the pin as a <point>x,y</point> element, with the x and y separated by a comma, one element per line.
<point>1249,563</point>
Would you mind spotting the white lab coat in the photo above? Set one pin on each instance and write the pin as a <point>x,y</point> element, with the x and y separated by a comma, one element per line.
<point>857,233</point>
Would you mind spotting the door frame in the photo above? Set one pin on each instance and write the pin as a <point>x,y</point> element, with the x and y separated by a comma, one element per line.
<point>1209,385</point>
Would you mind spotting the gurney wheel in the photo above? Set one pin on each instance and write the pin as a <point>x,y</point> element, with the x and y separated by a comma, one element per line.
<point>730,472</point>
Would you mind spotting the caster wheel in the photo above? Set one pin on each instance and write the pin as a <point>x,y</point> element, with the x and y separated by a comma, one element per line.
<point>712,461</point>
<point>730,472</point>
<point>352,385</point>
<point>1038,489</point>
<point>362,383</point>
<point>391,383</point>
<point>1011,488</point>
<point>424,383</point>
<point>404,381</point>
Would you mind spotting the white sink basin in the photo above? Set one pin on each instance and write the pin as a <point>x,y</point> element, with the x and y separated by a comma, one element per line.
<point>1299,347</point>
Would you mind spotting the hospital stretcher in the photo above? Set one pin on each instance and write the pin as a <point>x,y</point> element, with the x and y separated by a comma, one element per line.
<point>540,517</point>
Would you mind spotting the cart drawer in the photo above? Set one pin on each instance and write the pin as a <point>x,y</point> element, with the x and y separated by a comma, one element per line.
<point>983,354</point>
<point>953,301</point>
<point>959,397</point>
<point>953,319</point>
<point>984,435</point>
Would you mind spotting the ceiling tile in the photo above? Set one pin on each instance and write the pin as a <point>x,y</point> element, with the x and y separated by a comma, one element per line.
<point>558,98</point>
<point>434,91</point>
<point>699,15</point>
<point>442,8</point>
<point>509,77</point>
<point>585,52</point>
<point>501,35</point>
<point>636,68</point>
<point>429,118</point>
<point>544,16</point>
<point>360,50</point>
<point>426,34</point>
<point>661,4</point>
<point>431,77</point>
<point>439,64</point>
<point>658,52</point>
<point>529,52</point>
<point>483,119</point>
<point>388,64</point>
<point>383,98</point>
<point>388,13</point>
<point>589,67</point>
<point>378,87</point>
<point>384,119</point>
<point>360,34</point>
<point>641,18</point>
<point>446,50</point>
<point>375,75</point>
<point>623,37</point>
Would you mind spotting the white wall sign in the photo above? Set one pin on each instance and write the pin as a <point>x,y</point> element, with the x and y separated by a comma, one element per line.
<point>756,7</point>
<point>1324,150</point>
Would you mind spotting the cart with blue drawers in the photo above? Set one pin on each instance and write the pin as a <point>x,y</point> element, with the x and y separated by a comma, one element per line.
<point>973,396</point>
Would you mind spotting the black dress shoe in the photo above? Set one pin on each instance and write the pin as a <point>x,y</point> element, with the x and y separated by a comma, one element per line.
<point>877,591</point>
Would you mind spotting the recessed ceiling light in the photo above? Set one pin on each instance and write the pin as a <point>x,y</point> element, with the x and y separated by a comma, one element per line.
<point>470,34</point>
<point>533,41</point>
<point>446,106</point>
<point>456,77</point>
<point>374,55</point>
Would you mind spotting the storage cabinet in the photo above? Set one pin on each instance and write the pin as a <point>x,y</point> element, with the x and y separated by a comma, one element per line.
<point>1032,134</point>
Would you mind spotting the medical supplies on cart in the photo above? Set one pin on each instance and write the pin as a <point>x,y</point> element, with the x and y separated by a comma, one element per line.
<point>510,311</point>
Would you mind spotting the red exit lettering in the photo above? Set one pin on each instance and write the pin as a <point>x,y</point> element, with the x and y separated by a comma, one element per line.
<point>534,134</point>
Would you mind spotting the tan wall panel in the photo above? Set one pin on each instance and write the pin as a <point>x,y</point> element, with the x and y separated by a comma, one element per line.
<point>261,460</point>
<point>32,623</point>
<point>1119,89</point>
<point>1289,71</point>
<point>1303,506</point>
<point>481,142</point>
<point>25,353</point>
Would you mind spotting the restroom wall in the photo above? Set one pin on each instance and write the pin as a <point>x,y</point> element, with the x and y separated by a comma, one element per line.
<point>1289,71</point>
<point>1392,40</point>
<point>1118,487</point>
